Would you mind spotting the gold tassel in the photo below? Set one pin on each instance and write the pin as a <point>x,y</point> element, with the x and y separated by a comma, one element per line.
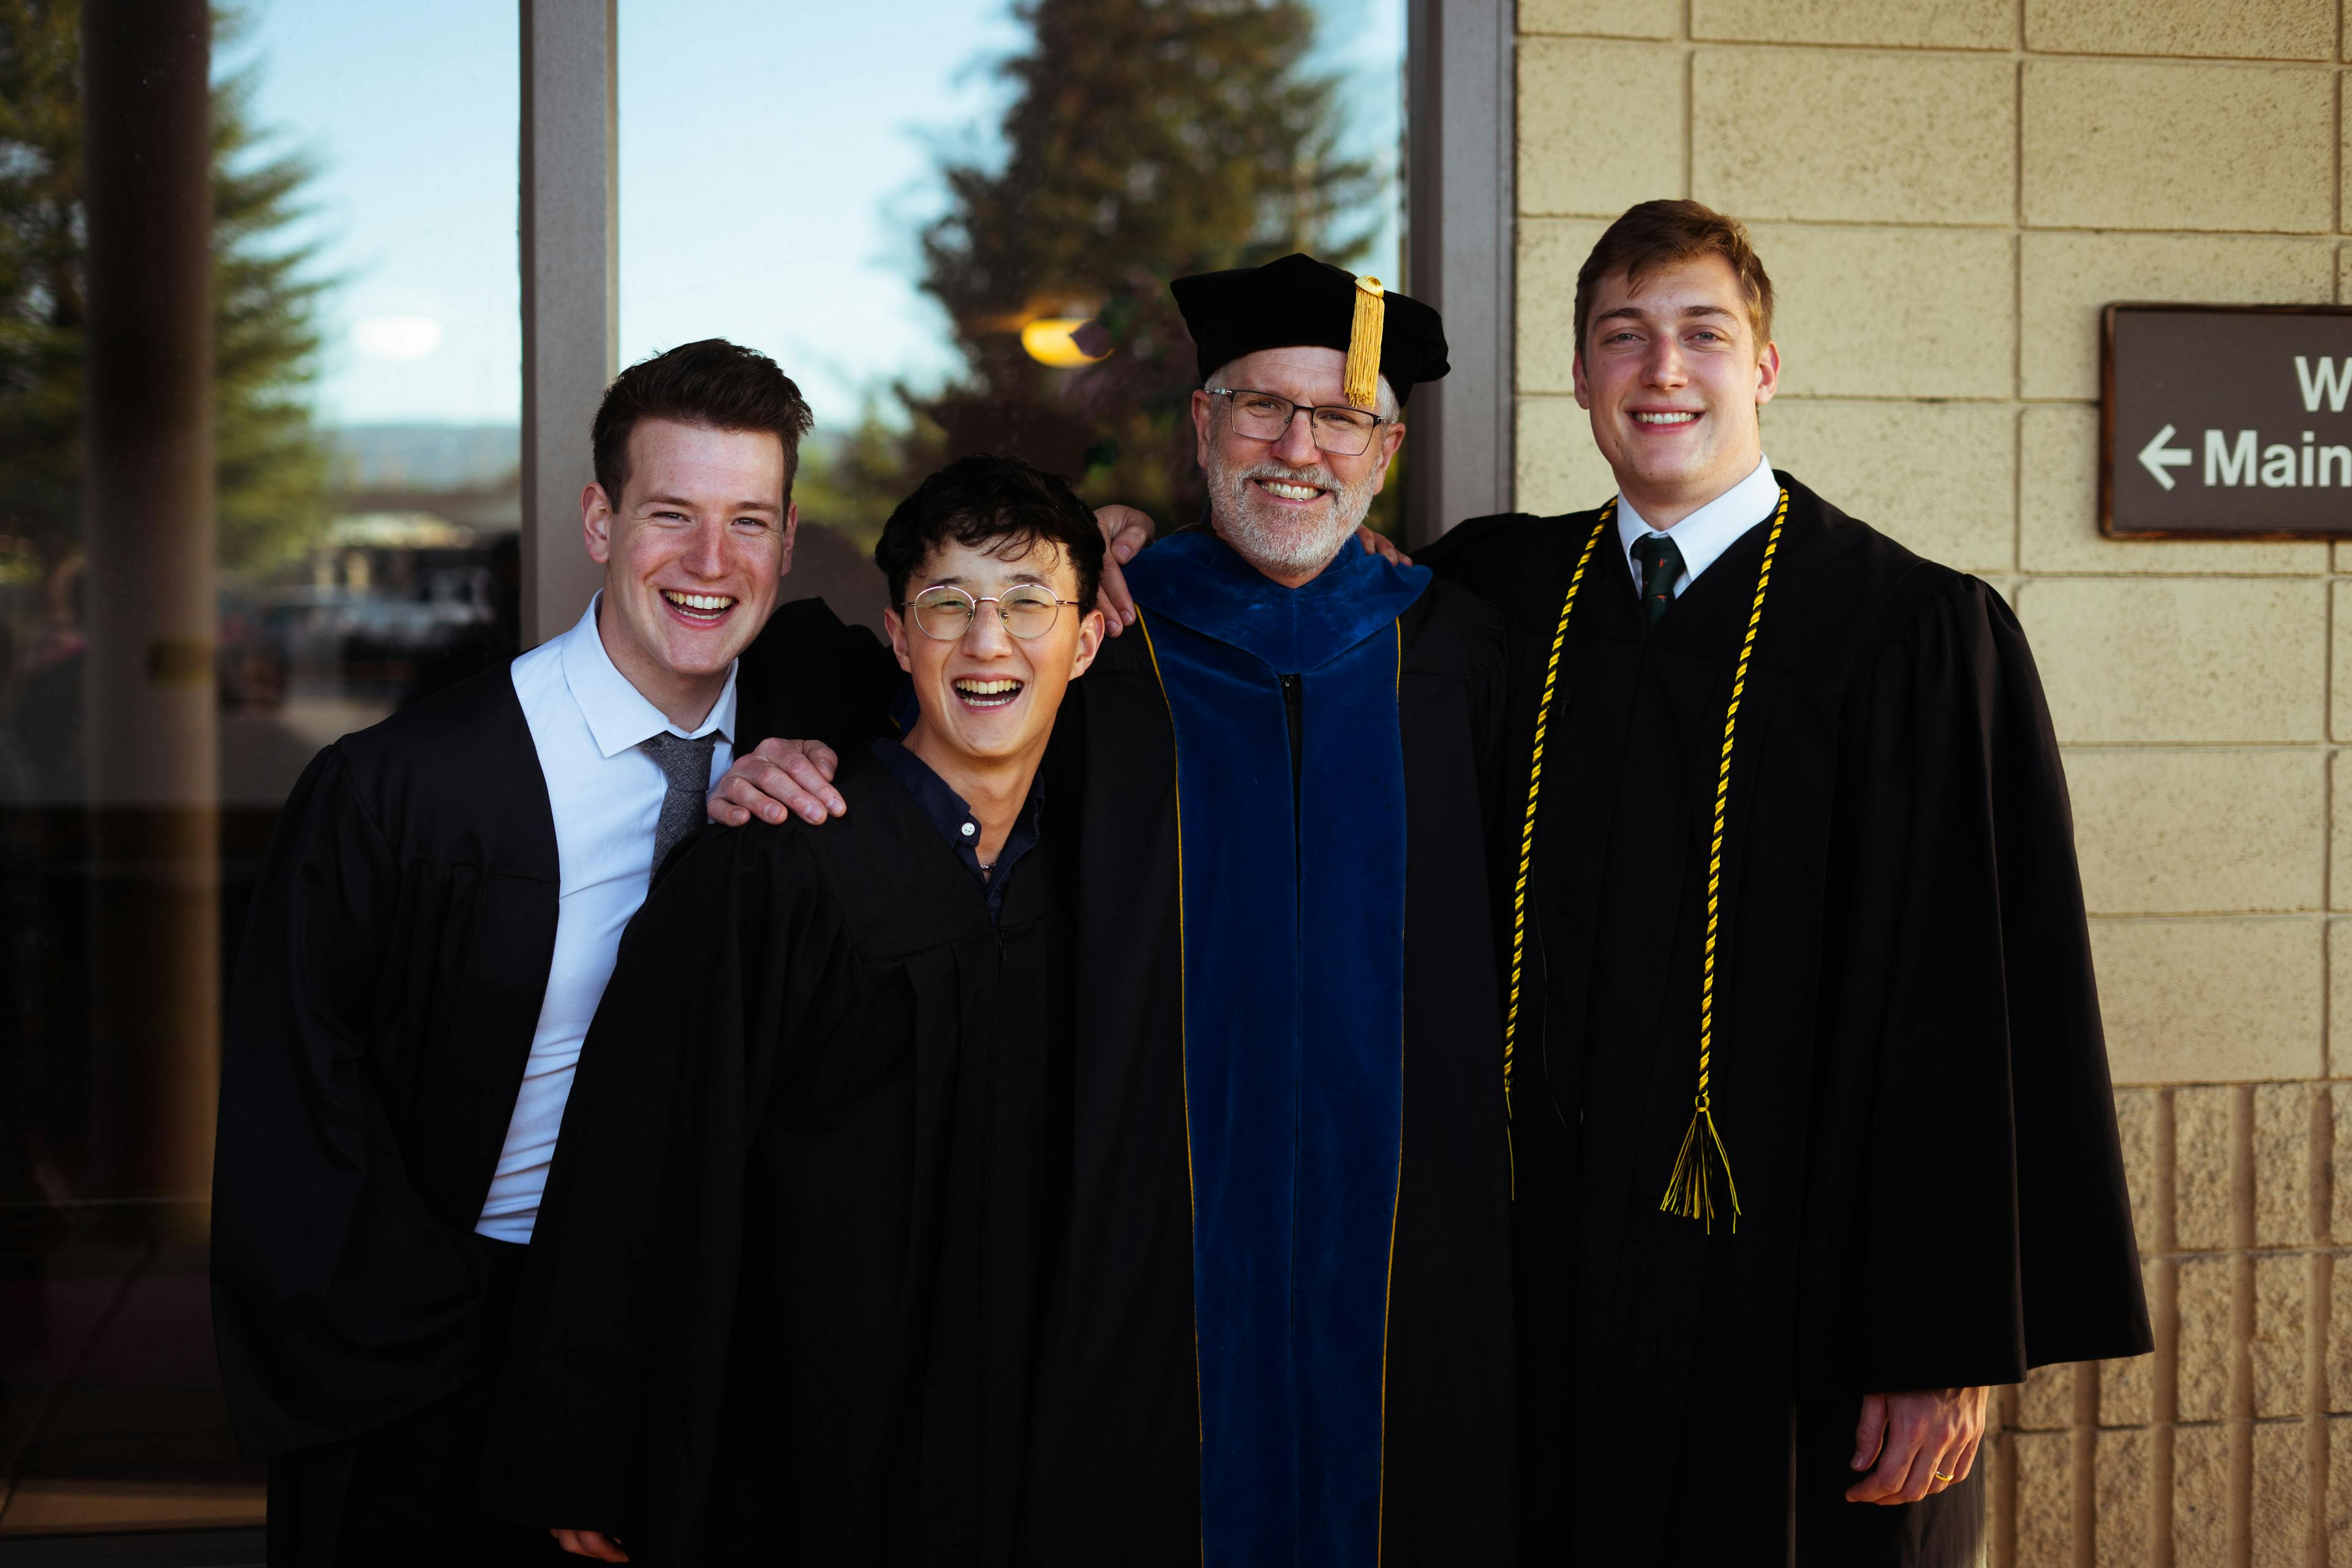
<point>1362,386</point>
<point>1690,1194</point>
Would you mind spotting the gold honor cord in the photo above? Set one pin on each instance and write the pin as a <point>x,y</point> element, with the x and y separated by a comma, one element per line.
<point>1528,831</point>
<point>1689,1193</point>
<point>1690,1190</point>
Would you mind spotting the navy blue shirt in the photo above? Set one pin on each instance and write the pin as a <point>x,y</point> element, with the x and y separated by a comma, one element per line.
<point>956,823</point>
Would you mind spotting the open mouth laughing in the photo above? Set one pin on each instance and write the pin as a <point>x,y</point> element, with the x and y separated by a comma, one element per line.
<point>987,693</point>
<point>698,609</point>
<point>1665,418</point>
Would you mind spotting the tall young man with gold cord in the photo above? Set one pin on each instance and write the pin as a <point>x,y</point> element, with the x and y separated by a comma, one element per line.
<point>1812,1132</point>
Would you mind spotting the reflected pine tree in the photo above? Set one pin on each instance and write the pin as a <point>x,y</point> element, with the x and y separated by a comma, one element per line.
<point>849,481</point>
<point>271,462</point>
<point>1144,139</point>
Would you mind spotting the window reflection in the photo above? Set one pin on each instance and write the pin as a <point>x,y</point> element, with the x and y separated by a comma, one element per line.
<point>958,230</point>
<point>257,394</point>
<point>258,487</point>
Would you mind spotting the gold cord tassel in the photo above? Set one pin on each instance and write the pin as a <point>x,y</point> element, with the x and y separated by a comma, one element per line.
<point>1362,386</point>
<point>1691,1192</point>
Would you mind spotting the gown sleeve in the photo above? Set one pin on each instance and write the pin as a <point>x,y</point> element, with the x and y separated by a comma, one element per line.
<point>1968,1216</point>
<point>1489,672</point>
<point>609,1394</point>
<point>810,675</point>
<point>339,1301</point>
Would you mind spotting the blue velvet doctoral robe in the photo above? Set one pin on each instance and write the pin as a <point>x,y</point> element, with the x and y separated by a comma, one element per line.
<point>1292,1018</point>
<point>1289,1097</point>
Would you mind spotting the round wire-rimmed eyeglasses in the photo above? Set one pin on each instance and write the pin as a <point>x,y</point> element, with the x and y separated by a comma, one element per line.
<point>944,614</point>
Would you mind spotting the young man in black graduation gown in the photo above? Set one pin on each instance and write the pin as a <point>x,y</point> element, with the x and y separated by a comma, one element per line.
<point>401,968</point>
<point>1783,1215</point>
<point>787,1284</point>
<point>1279,1328</point>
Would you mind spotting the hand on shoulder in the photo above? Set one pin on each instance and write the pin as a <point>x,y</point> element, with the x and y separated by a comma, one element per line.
<point>777,778</point>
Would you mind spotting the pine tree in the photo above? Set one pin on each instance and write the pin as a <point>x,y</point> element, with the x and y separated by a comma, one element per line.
<point>272,460</point>
<point>271,464</point>
<point>1146,139</point>
<point>41,277</point>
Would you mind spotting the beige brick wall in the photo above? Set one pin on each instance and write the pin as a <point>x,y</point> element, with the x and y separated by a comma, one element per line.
<point>1945,192</point>
<point>2230,1444</point>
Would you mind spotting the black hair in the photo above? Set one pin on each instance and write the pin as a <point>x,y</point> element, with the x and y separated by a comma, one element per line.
<point>1002,505</point>
<point>714,384</point>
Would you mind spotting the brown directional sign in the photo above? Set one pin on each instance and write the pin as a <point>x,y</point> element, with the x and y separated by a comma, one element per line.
<point>2225,421</point>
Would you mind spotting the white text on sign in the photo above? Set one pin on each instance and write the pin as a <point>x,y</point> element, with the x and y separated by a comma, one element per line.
<point>2242,458</point>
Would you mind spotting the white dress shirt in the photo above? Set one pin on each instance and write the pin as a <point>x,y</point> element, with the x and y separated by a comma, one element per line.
<point>587,723</point>
<point>1706,532</point>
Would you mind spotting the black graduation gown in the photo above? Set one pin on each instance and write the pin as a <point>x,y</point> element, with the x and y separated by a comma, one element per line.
<point>1115,1470</point>
<point>1909,1075</point>
<point>782,1297</point>
<point>391,976</point>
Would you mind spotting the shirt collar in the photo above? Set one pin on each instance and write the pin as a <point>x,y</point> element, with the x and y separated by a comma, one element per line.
<point>1711,529</point>
<point>953,817</point>
<point>619,716</point>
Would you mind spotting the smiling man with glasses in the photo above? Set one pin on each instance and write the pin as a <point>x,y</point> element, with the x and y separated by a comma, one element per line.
<point>791,1267</point>
<point>1281,1330</point>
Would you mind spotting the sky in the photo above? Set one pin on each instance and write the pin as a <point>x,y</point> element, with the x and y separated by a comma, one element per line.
<point>777,161</point>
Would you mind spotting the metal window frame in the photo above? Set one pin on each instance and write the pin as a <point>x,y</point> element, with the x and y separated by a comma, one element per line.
<point>1462,236</point>
<point>570,229</point>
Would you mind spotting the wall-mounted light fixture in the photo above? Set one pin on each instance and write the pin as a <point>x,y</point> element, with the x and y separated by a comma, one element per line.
<point>1065,343</point>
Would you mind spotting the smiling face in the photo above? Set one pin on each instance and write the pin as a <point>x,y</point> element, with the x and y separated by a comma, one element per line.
<point>1286,506</point>
<point>988,698</point>
<point>1673,376</point>
<point>693,555</point>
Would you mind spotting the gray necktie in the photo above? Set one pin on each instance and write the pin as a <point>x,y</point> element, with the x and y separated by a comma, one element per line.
<point>686,765</point>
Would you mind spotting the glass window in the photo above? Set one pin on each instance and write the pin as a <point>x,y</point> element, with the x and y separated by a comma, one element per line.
<point>258,397</point>
<point>954,224</point>
<point>257,452</point>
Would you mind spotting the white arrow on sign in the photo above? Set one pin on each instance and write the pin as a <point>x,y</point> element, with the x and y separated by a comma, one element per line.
<point>2155,457</point>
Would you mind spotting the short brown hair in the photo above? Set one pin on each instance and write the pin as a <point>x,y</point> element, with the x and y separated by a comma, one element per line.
<point>1662,234</point>
<point>714,384</point>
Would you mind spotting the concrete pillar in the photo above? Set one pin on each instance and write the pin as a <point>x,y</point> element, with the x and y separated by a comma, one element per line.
<point>571,233</point>
<point>150,706</point>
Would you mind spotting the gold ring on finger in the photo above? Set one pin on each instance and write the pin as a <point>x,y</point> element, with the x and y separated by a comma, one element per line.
<point>1942,1477</point>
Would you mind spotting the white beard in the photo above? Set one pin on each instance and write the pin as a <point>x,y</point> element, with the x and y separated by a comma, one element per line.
<point>1275,539</point>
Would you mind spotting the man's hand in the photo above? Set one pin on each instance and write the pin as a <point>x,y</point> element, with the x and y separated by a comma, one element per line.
<point>1923,1442</point>
<point>590,1543</point>
<point>1125,531</point>
<point>776,777</point>
<point>1381,544</point>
